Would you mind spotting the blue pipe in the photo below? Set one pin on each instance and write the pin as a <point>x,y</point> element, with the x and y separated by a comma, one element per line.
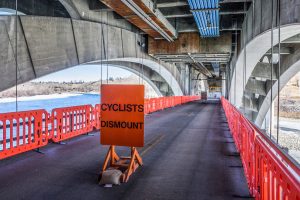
<point>215,21</point>
<point>199,24</point>
<point>201,5</point>
<point>202,23</point>
<point>209,17</point>
<point>211,22</point>
<point>202,17</point>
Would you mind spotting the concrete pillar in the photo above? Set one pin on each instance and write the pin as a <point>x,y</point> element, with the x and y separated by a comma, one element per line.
<point>185,78</point>
<point>223,75</point>
<point>195,85</point>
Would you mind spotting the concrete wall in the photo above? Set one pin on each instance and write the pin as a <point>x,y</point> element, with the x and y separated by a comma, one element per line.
<point>47,45</point>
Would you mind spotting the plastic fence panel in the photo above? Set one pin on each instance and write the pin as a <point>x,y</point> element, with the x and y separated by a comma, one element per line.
<point>23,131</point>
<point>269,172</point>
<point>69,122</point>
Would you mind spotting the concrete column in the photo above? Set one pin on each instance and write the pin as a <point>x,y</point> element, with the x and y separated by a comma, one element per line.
<point>223,75</point>
<point>196,86</point>
<point>185,78</point>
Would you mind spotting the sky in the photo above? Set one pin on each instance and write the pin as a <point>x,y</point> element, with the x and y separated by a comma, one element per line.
<point>84,73</point>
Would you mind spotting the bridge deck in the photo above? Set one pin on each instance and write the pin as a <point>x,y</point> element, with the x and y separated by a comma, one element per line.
<point>189,154</point>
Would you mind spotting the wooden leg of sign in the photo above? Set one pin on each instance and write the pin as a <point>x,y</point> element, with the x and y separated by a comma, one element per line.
<point>131,163</point>
<point>110,156</point>
<point>135,162</point>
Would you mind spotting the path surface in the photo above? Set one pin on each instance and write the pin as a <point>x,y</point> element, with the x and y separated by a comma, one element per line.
<point>189,154</point>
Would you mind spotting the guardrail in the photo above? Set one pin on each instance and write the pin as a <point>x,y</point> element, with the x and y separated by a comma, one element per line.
<point>71,121</point>
<point>269,172</point>
<point>23,131</point>
<point>29,130</point>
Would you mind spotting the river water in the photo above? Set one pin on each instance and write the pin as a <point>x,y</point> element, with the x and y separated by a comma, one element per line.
<point>48,102</point>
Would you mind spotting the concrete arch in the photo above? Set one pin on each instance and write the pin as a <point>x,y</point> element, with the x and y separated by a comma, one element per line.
<point>156,89</point>
<point>161,74</point>
<point>253,55</point>
<point>146,78</point>
<point>290,66</point>
<point>69,6</point>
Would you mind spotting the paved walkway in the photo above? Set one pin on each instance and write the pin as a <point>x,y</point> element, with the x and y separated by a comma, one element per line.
<point>189,154</point>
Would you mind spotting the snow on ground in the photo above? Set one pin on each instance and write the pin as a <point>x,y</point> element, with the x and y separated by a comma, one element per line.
<point>289,123</point>
<point>295,154</point>
<point>39,97</point>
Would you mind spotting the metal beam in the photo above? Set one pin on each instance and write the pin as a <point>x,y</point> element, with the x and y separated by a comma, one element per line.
<point>140,12</point>
<point>143,15</point>
<point>180,15</point>
<point>234,1</point>
<point>238,12</point>
<point>172,4</point>
<point>202,69</point>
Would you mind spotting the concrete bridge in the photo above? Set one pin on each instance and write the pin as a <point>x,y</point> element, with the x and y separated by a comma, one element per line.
<point>50,43</point>
<point>244,50</point>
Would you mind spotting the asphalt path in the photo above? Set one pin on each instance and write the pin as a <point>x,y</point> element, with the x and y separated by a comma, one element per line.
<point>189,154</point>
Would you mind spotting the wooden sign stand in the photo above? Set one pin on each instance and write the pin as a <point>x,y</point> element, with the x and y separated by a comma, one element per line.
<point>122,124</point>
<point>130,164</point>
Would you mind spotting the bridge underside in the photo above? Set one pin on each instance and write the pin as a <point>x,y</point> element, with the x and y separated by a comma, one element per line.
<point>47,45</point>
<point>189,154</point>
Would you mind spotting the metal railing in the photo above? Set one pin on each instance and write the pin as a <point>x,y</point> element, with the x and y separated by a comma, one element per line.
<point>269,172</point>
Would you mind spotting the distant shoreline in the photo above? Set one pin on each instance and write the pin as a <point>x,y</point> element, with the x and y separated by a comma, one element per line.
<point>42,97</point>
<point>30,89</point>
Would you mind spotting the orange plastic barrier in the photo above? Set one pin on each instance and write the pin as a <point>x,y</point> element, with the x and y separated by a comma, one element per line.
<point>28,130</point>
<point>97,117</point>
<point>156,104</point>
<point>270,173</point>
<point>22,131</point>
<point>70,122</point>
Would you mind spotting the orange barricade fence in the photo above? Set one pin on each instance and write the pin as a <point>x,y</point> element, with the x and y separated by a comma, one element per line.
<point>29,130</point>
<point>70,122</point>
<point>147,106</point>
<point>270,173</point>
<point>23,131</point>
<point>96,116</point>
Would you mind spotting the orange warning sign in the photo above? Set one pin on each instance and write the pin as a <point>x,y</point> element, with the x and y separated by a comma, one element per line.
<point>122,115</point>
